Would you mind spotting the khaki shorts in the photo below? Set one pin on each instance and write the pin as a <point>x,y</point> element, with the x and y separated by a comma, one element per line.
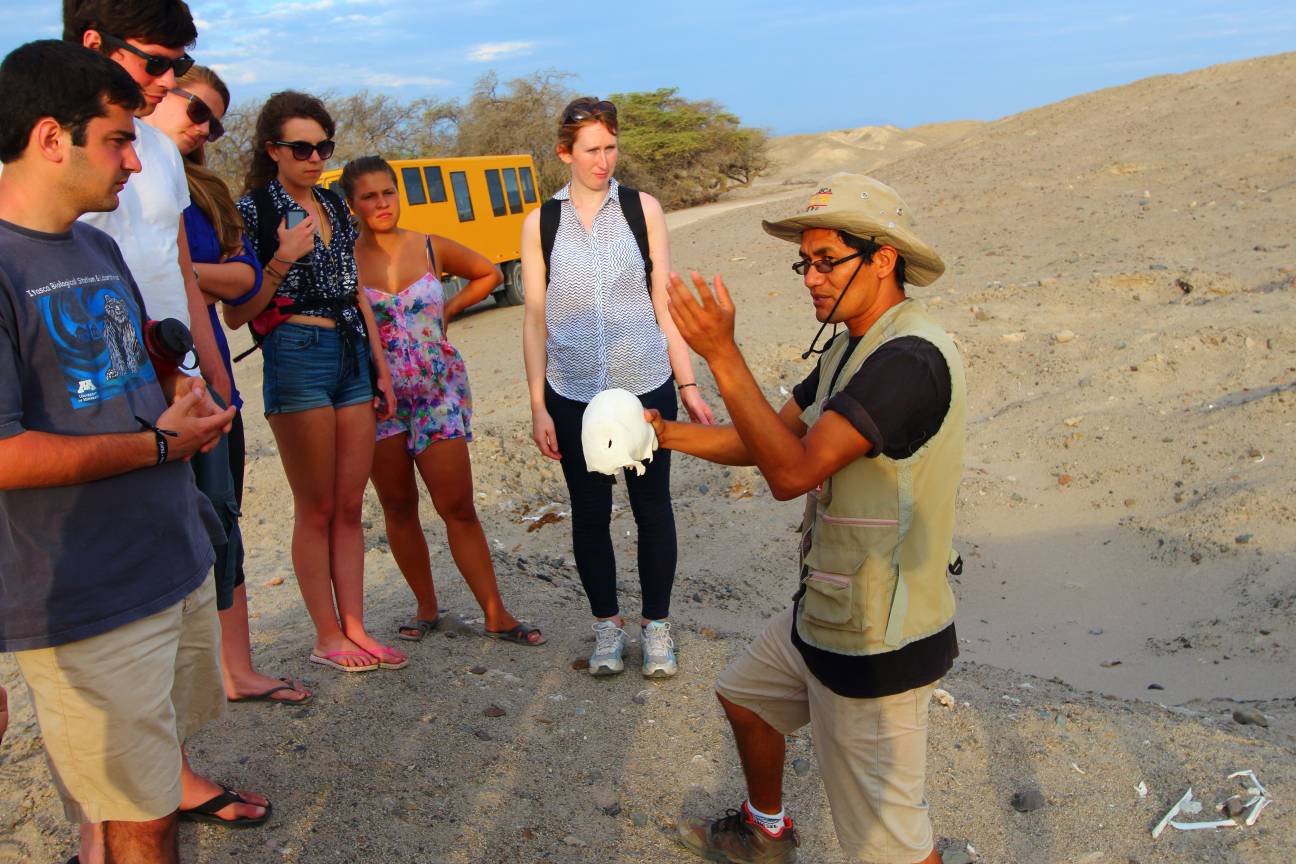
<point>872,752</point>
<point>114,708</point>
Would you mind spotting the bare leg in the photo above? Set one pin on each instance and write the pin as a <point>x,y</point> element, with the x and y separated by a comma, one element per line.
<point>236,656</point>
<point>393,480</point>
<point>353,460</point>
<point>152,842</point>
<point>762,749</point>
<point>447,472</point>
<point>92,843</point>
<point>306,446</point>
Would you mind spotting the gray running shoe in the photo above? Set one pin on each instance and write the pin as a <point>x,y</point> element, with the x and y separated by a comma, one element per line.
<point>610,641</point>
<point>658,651</point>
<point>736,839</point>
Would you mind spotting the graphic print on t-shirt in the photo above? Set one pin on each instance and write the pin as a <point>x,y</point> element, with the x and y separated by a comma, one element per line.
<point>97,335</point>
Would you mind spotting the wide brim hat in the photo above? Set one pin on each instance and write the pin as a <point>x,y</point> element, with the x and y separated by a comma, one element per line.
<point>860,205</point>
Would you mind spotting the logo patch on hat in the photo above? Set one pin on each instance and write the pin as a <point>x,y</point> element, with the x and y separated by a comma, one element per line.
<point>819,200</point>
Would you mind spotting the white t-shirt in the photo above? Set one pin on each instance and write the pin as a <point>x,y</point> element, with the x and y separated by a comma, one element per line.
<point>147,221</point>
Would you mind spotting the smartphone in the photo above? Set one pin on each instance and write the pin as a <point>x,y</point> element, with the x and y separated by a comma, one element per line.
<point>295,217</point>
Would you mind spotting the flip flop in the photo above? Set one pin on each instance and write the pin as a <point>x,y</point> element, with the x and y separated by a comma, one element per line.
<point>206,811</point>
<point>330,660</point>
<point>422,625</point>
<point>518,634</point>
<point>268,695</point>
<point>383,654</point>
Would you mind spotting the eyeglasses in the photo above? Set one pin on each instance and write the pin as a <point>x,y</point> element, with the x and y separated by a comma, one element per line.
<point>199,113</point>
<point>581,113</point>
<point>821,265</point>
<point>153,64</point>
<point>302,150</point>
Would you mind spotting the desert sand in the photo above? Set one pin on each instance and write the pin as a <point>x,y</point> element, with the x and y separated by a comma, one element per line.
<point>1120,266</point>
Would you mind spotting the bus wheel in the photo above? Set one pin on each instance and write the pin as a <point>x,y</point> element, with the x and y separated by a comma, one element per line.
<point>511,293</point>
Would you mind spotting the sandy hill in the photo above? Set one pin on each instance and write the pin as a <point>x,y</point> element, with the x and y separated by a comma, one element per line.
<point>807,158</point>
<point>1120,281</point>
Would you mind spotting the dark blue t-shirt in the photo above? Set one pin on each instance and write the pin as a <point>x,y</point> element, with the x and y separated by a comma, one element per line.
<point>77,561</point>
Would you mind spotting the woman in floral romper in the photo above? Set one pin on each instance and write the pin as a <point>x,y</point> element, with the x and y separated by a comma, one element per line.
<point>431,428</point>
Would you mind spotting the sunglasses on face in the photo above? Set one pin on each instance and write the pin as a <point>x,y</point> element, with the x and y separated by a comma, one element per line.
<point>199,113</point>
<point>302,150</point>
<point>821,265</point>
<point>154,65</point>
<point>581,113</point>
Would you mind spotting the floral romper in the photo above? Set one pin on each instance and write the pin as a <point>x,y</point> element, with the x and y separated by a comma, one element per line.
<point>433,401</point>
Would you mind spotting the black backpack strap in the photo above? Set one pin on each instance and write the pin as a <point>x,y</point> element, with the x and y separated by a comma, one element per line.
<point>267,227</point>
<point>431,257</point>
<point>550,216</point>
<point>632,209</point>
<point>335,203</point>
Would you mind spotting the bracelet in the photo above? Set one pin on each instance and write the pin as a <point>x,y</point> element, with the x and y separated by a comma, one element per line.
<point>283,261</point>
<point>275,273</point>
<point>682,386</point>
<point>161,435</point>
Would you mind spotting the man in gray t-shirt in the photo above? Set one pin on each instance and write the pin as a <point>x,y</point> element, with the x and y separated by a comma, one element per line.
<point>105,596</point>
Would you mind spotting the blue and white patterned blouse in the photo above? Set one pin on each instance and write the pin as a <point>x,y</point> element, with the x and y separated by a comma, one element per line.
<point>322,277</point>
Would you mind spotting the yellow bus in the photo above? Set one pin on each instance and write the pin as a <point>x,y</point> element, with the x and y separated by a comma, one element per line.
<point>480,201</point>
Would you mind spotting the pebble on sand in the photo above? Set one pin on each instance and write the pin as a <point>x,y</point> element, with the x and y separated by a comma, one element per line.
<point>1027,800</point>
<point>1250,717</point>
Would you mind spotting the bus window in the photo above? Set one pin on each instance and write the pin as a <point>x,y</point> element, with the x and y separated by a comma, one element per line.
<point>511,187</point>
<point>435,184</point>
<point>463,201</point>
<point>528,185</point>
<point>496,192</point>
<point>413,186</point>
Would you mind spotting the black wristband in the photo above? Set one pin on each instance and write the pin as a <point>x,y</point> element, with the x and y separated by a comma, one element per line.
<point>682,386</point>
<point>163,446</point>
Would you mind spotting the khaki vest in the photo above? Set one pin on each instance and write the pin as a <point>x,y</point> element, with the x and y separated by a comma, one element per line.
<point>878,534</point>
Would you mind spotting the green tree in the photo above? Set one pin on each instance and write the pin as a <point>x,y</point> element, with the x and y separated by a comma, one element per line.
<point>683,151</point>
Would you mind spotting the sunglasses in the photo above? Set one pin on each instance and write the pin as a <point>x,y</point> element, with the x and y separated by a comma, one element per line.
<point>821,265</point>
<point>153,64</point>
<point>199,113</point>
<point>302,150</point>
<point>581,113</point>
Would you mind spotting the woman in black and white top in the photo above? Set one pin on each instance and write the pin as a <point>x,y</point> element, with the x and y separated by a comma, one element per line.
<point>591,323</point>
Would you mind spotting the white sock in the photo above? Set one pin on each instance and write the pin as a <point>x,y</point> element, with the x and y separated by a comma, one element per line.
<point>771,822</point>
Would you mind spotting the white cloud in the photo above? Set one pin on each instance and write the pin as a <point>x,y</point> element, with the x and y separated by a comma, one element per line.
<point>378,79</point>
<point>236,74</point>
<point>487,52</point>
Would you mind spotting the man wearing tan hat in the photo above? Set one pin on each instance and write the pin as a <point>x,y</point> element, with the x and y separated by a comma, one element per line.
<point>873,438</point>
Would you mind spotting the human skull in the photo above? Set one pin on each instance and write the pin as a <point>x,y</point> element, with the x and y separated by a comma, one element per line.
<point>614,433</point>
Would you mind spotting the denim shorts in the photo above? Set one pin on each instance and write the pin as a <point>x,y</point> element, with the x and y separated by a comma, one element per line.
<point>314,367</point>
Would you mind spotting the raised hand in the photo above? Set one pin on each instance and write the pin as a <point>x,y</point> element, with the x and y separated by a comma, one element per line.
<point>707,321</point>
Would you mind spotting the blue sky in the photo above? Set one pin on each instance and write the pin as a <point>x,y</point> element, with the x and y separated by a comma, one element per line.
<point>788,67</point>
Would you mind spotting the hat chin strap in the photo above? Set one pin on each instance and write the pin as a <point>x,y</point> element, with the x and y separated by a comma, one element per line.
<point>831,312</point>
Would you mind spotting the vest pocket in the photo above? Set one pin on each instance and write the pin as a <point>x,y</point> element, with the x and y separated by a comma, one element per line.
<point>827,597</point>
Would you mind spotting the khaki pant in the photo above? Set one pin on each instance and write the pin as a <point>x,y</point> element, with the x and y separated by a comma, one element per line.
<point>872,752</point>
<point>113,709</point>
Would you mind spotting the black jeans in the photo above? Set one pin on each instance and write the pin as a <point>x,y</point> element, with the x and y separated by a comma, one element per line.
<point>591,508</point>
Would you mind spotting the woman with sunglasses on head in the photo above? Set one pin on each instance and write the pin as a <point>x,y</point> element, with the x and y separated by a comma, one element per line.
<point>593,321</point>
<point>318,361</point>
<point>400,271</point>
<point>190,115</point>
